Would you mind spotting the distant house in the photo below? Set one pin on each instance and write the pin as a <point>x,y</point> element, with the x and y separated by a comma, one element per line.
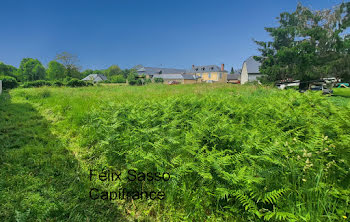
<point>209,73</point>
<point>180,78</point>
<point>95,78</point>
<point>234,78</point>
<point>250,70</point>
<point>149,72</point>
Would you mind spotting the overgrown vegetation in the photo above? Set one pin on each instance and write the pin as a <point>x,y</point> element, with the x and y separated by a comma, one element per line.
<point>246,153</point>
<point>308,45</point>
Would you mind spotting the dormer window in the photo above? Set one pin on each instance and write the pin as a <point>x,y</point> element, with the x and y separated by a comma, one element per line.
<point>203,68</point>
<point>196,69</point>
<point>212,68</point>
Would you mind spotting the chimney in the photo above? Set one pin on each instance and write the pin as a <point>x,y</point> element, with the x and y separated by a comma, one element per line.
<point>222,67</point>
<point>192,66</point>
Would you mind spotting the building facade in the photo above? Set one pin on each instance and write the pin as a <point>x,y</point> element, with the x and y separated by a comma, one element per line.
<point>197,74</point>
<point>210,73</point>
<point>250,70</point>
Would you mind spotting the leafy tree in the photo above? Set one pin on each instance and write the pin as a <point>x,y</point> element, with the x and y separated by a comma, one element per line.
<point>55,70</point>
<point>132,77</point>
<point>113,70</point>
<point>127,72</point>
<point>31,69</point>
<point>232,71</point>
<point>307,45</point>
<point>8,70</point>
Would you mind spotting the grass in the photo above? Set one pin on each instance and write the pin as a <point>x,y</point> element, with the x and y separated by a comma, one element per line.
<point>40,178</point>
<point>345,92</point>
<point>241,153</point>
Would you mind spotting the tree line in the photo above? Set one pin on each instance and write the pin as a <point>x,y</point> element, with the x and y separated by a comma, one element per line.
<point>64,66</point>
<point>308,45</point>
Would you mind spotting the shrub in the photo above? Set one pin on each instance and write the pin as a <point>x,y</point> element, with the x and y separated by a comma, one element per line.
<point>8,82</point>
<point>77,83</point>
<point>66,79</point>
<point>57,83</point>
<point>118,79</point>
<point>37,83</point>
<point>148,81</point>
<point>158,80</point>
<point>140,81</point>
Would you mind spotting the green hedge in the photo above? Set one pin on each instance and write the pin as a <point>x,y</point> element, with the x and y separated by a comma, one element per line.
<point>69,83</point>
<point>8,82</point>
<point>37,83</point>
<point>78,83</point>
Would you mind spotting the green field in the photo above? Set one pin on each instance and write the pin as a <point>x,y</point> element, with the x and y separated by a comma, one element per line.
<point>233,153</point>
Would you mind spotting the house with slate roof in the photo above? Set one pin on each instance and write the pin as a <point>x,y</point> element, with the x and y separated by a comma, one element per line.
<point>149,72</point>
<point>250,70</point>
<point>95,78</point>
<point>209,73</point>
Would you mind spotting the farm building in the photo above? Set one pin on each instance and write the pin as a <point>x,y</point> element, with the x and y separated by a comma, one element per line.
<point>95,78</point>
<point>250,70</point>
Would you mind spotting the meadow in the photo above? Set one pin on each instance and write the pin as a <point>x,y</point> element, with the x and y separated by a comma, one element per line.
<point>233,153</point>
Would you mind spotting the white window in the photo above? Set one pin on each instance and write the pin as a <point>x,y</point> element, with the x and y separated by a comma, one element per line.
<point>220,75</point>
<point>209,75</point>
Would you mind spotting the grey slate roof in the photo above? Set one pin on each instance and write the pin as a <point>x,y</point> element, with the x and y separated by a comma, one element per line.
<point>188,76</point>
<point>252,65</point>
<point>156,70</point>
<point>95,77</point>
<point>209,68</point>
<point>175,76</point>
<point>235,76</point>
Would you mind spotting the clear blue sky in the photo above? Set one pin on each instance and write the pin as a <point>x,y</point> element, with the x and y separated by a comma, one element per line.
<point>168,33</point>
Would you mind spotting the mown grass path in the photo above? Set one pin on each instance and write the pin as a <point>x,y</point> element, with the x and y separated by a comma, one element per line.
<point>39,178</point>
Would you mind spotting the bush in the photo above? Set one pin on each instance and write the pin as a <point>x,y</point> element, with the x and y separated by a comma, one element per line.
<point>78,83</point>
<point>139,81</point>
<point>148,81</point>
<point>37,83</point>
<point>66,79</point>
<point>118,79</point>
<point>57,83</point>
<point>158,80</point>
<point>8,82</point>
